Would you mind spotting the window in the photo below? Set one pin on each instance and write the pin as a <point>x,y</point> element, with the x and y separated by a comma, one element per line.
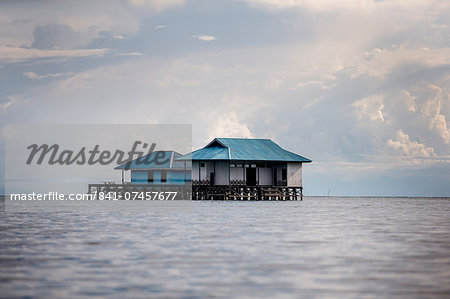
<point>202,164</point>
<point>163,176</point>
<point>284,174</point>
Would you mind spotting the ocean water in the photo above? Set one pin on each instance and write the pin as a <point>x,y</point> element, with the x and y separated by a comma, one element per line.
<point>317,248</point>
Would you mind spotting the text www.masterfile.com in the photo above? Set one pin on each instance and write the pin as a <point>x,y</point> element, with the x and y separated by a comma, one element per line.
<point>56,196</point>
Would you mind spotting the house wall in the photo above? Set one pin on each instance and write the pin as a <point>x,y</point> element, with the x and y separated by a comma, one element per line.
<point>195,167</point>
<point>156,177</point>
<point>202,173</point>
<point>221,173</point>
<point>139,177</point>
<point>176,177</point>
<point>270,174</point>
<point>294,174</point>
<point>173,177</point>
<point>265,176</point>
<point>237,173</point>
<point>205,172</point>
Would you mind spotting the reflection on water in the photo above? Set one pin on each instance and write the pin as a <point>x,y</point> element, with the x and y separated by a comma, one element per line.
<point>333,247</point>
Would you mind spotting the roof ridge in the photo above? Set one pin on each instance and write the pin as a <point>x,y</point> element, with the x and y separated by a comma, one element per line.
<point>171,159</point>
<point>241,138</point>
<point>256,149</point>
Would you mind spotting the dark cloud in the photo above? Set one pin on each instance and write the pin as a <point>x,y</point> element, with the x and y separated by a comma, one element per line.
<point>57,36</point>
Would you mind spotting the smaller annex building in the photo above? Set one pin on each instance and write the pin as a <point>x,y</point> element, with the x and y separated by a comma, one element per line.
<point>158,168</point>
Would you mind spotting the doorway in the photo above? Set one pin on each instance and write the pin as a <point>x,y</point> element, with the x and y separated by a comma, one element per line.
<point>250,176</point>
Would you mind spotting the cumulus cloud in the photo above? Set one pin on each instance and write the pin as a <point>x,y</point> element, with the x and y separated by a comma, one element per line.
<point>432,109</point>
<point>370,107</point>
<point>407,100</point>
<point>381,62</point>
<point>228,125</point>
<point>421,113</point>
<point>410,148</point>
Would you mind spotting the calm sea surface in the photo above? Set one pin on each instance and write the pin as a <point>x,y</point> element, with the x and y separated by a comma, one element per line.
<point>319,247</point>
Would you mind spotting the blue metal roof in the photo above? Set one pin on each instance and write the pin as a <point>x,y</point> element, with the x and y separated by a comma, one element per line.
<point>177,164</point>
<point>244,150</point>
<point>207,153</point>
<point>156,159</point>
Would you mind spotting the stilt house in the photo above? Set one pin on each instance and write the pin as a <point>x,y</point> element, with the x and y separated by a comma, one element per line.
<point>245,162</point>
<point>226,168</point>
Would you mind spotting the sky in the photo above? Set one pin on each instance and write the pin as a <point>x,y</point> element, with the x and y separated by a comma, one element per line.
<point>360,87</point>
